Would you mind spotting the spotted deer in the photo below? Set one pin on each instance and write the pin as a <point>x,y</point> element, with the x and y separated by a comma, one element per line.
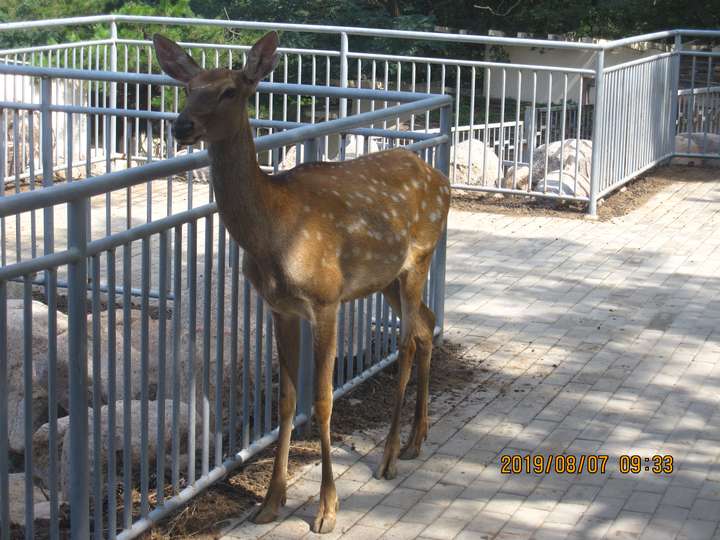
<point>313,237</point>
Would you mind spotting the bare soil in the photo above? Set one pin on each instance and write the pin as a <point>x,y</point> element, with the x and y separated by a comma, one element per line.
<point>365,408</point>
<point>619,203</point>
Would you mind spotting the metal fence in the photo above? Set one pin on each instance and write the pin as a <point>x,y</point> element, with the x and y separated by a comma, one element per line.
<point>518,129</point>
<point>121,301</point>
<point>138,366</point>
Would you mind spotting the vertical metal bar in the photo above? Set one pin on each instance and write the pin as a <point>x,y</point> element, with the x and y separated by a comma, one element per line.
<point>207,310</point>
<point>77,359</point>
<point>4,443</point>
<point>47,164</point>
<point>97,478</point>
<point>176,374</point>
<point>234,308</point>
<point>161,378</point>
<point>113,85</point>
<point>247,293</point>
<point>112,344</point>
<point>257,410</point>
<point>219,342</point>
<point>191,358</point>
<point>305,375</point>
<point>597,136</point>
<point>144,373</point>
<point>473,76</point>
<point>268,371</point>
<point>127,386</point>
<point>673,125</point>
<point>28,405</point>
<point>343,71</point>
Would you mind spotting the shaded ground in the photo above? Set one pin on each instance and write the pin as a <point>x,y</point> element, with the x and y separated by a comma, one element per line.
<point>619,203</point>
<point>366,408</point>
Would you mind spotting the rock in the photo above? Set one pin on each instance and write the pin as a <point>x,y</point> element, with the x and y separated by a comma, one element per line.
<point>134,432</point>
<point>476,151</point>
<point>17,497</point>
<point>41,449</point>
<point>583,157</point>
<point>16,390</point>
<point>290,159</point>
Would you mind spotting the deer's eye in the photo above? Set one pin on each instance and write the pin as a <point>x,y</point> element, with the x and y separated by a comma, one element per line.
<point>228,93</point>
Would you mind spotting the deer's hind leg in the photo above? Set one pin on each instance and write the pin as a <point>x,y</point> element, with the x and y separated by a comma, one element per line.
<point>405,296</point>
<point>424,343</point>
<point>287,335</point>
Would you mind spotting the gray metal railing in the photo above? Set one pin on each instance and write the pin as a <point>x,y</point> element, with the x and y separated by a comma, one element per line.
<point>164,362</point>
<point>494,147</point>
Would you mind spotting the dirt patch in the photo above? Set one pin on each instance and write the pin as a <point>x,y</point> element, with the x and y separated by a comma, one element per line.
<point>619,203</point>
<point>365,408</point>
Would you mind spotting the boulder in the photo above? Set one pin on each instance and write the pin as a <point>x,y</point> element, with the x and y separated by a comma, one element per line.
<point>16,389</point>
<point>572,153</point>
<point>134,431</point>
<point>16,497</point>
<point>41,448</point>
<point>481,158</point>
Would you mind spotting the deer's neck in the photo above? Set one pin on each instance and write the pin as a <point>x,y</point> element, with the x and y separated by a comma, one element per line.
<point>241,188</point>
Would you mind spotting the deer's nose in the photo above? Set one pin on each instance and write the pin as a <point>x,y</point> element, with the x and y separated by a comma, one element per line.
<point>182,127</point>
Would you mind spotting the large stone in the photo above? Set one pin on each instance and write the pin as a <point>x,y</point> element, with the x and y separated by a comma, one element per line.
<point>572,154</point>
<point>40,343</point>
<point>133,430</point>
<point>41,448</point>
<point>16,497</point>
<point>475,164</point>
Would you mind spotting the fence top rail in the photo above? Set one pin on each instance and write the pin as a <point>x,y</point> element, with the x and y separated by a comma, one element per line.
<point>353,30</point>
<point>164,80</point>
<point>230,47</point>
<point>62,193</point>
<point>294,27</point>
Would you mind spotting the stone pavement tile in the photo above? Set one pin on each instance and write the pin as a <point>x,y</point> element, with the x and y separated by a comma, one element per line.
<point>423,513</point>
<point>705,509</point>
<point>444,529</point>
<point>402,497</point>
<point>553,531</point>
<point>404,531</point>
<point>680,496</point>
<point>544,498</point>
<point>462,509</point>
<point>592,527</point>
<point>422,480</point>
<point>695,529</point>
<point>568,513</point>
<point>382,516</point>
<point>628,522</point>
<point>642,501</point>
<point>486,522</point>
<point>442,494</point>
<point>504,503</point>
<point>362,532</point>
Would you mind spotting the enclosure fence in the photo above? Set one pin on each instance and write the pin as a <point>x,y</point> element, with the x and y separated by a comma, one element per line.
<point>138,365</point>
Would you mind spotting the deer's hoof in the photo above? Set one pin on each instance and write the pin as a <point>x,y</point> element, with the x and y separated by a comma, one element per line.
<point>409,452</point>
<point>325,519</point>
<point>387,469</point>
<point>269,511</point>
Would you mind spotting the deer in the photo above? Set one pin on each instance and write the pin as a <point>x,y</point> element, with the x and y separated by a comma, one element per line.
<point>313,237</point>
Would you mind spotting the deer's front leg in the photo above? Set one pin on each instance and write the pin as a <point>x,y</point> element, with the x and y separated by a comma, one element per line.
<point>287,336</point>
<point>325,339</point>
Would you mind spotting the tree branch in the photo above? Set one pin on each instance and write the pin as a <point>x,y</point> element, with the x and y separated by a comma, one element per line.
<point>496,13</point>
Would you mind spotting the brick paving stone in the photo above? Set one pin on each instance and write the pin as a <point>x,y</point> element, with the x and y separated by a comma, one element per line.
<point>595,338</point>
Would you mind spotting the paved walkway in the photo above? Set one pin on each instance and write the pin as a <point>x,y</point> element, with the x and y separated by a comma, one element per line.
<point>596,338</point>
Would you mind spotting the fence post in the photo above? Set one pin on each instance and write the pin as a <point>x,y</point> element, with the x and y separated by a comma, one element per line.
<point>443,164</point>
<point>77,358</point>
<point>113,88</point>
<point>597,133</point>
<point>343,71</point>
<point>46,156</point>
<point>674,89</point>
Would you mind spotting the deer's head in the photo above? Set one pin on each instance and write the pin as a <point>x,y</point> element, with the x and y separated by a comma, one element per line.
<point>216,98</point>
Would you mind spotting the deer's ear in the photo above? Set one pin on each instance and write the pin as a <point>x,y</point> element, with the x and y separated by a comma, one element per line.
<point>262,58</point>
<point>174,60</point>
